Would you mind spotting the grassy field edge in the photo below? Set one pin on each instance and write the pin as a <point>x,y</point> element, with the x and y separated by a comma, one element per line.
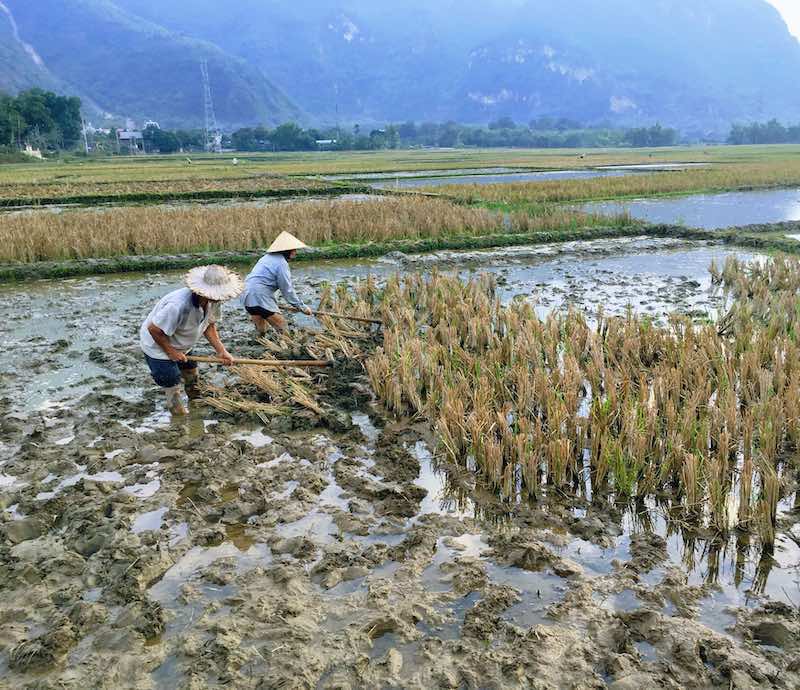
<point>763,237</point>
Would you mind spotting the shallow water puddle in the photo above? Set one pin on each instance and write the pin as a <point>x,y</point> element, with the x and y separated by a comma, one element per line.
<point>198,558</point>
<point>592,558</point>
<point>13,511</point>
<point>237,535</point>
<point>177,533</point>
<point>624,601</point>
<point>347,587</point>
<point>332,496</point>
<point>7,481</point>
<point>509,177</point>
<point>646,651</point>
<point>538,591</point>
<point>438,499</point>
<point>144,490</point>
<point>152,520</point>
<point>364,423</point>
<point>317,526</point>
<point>256,438</point>
<point>74,479</point>
<point>450,621</point>
<point>419,173</point>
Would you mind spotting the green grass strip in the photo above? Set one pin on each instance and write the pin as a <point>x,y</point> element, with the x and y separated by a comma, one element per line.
<point>761,240</point>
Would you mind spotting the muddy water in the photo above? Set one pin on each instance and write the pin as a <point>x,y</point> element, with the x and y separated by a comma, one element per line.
<point>502,178</point>
<point>213,552</point>
<point>437,178</point>
<point>710,211</point>
<point>404,174</point>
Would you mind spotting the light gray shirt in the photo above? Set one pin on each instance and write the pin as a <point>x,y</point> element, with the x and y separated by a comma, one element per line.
<point>270,274</point>
<point>181,318</point>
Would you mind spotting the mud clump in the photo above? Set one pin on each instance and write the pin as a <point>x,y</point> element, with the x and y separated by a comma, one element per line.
<point>43,651</point>
<point>775,625</point>
<point>483,620</point>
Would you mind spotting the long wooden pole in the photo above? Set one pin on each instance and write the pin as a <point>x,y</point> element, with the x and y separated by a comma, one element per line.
<point>263,362</point>
<point>333,315</point>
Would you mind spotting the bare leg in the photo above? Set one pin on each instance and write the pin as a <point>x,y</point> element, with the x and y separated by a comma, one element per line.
<point>260,323</point>
<point>174,401</point>
<point>278,322</point>
<point>191,380</point>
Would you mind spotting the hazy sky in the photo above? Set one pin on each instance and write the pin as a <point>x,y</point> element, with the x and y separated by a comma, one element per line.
<point>790,9</point>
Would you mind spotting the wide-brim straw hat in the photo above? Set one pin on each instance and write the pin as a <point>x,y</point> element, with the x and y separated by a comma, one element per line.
<point>214,282</point>
<point>285,242</point>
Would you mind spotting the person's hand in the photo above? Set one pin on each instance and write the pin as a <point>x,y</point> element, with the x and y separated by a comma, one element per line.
<point>177,356</point>
<point>307,311</point>
<point>226,358</point>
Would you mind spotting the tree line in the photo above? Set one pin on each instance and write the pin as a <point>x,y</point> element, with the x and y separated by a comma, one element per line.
<point>541,133</point>
<point>772,132</point>
<point>40,118</point>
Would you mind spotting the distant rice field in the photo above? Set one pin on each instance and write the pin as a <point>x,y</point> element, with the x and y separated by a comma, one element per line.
<point>221,166</point>
<point>784,173</point>
<point>30,237</point>
<point>157,188</point>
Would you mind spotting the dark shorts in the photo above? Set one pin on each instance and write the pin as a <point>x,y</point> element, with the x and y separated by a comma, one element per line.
<point>167,373</point>
<point>260,311</point>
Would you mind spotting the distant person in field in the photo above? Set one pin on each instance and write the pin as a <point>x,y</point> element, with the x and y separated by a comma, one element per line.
<point>175,325</point>
<point>269,275</point>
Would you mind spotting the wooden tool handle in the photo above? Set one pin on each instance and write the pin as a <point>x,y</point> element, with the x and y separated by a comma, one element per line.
<point>263,362</point>
<point>332,315</point>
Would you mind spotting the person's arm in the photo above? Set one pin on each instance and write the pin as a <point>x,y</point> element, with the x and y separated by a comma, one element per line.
<point>287,289</point>
<point>162,340</point>
<point>212,335</point>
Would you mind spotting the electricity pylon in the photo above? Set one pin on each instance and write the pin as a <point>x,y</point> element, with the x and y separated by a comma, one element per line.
<point>213,137</point>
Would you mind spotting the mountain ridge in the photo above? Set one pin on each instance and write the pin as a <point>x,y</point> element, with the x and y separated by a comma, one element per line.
<point>128,65</point>
<point>698,67</point>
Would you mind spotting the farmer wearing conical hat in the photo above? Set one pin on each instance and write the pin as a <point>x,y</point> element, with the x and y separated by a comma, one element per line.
<point>269,275</point>
<point>175,325</point>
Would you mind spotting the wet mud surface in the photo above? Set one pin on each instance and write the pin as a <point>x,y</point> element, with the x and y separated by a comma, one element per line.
<point>218,551</point>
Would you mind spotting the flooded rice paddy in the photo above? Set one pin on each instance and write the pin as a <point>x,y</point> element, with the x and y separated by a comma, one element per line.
<point>500,178</point>
<point>710,211</point>
<point>438,178</point>
<point>498,175</point>
<point>142,552</point>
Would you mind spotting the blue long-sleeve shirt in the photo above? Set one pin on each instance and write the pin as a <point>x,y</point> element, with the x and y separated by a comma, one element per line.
<point>269,275</point>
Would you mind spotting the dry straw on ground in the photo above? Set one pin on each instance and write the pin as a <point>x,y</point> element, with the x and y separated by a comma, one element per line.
<point>150,230</point>
<point>274,392</point>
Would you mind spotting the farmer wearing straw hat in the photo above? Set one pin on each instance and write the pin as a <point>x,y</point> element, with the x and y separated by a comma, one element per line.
<point>175,325</point>
<point>270,274</point>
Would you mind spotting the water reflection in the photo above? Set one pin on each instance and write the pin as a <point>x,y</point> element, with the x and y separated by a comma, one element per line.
<point>735,565</point>
<point>710,211</point>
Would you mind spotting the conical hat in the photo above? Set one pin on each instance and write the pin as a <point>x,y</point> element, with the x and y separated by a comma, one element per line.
<point>285,242</point>
<point>214,282</point>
